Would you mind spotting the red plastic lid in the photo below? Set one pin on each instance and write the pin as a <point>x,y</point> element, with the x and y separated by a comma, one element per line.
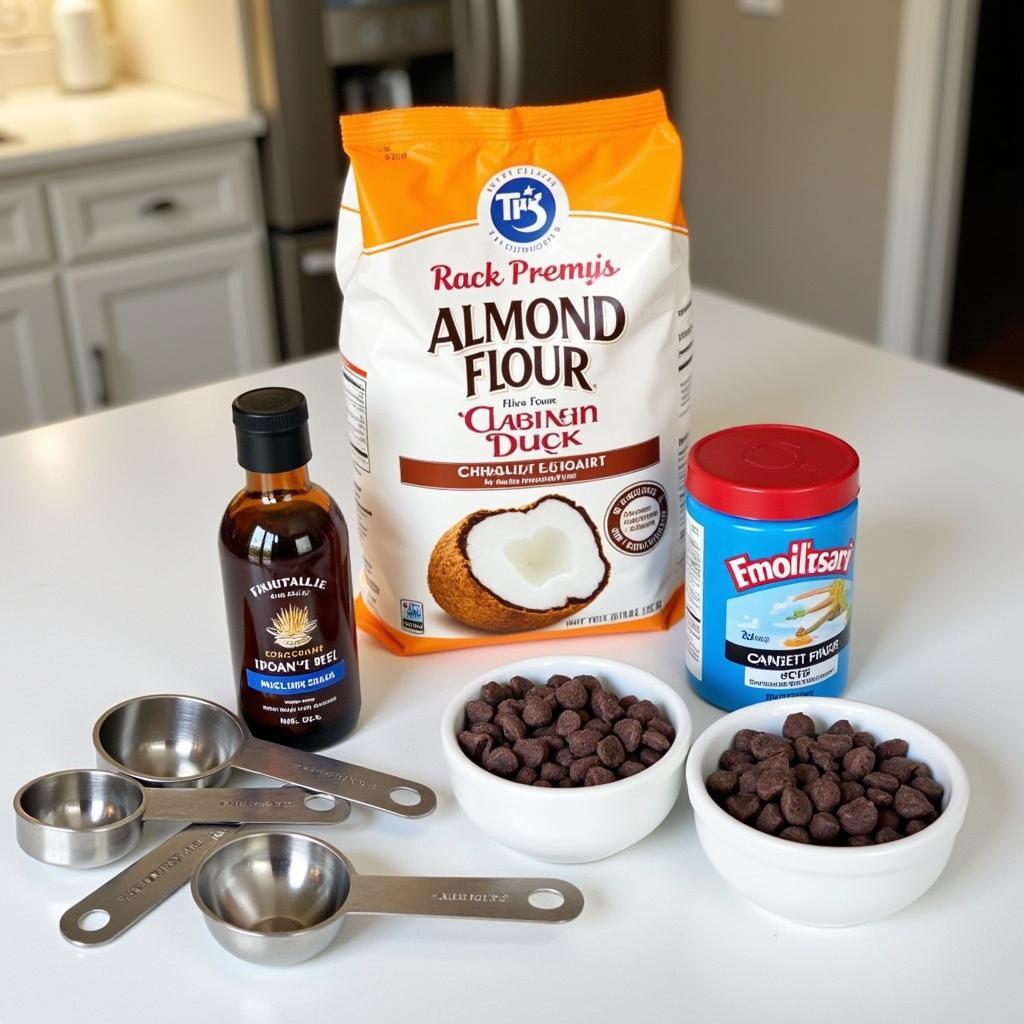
<point>773,471</point>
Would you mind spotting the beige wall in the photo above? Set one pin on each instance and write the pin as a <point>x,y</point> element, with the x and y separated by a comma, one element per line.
<point>786,123</point>
<point>197,45</point>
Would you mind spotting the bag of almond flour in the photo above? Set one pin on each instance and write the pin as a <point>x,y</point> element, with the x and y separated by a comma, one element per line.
<point>516,350</point>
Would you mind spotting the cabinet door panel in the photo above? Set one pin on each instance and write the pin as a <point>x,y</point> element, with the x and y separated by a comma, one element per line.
<point>24,236</point>
<point>165,321</point>
<point>35,375</point>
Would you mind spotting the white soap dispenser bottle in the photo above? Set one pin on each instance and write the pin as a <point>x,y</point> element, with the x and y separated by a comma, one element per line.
<point>83,63</point>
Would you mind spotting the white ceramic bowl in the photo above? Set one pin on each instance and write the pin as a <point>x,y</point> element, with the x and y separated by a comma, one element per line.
<point>569,826</point>
<point>826,886</point>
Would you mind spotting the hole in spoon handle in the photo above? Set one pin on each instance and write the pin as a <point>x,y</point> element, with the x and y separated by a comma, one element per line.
<point>549,900</point>
<point>336,778</point>
<point>143,886</point>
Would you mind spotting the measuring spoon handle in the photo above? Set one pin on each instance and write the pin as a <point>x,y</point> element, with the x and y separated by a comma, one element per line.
<point>280,805</point>
<point>144,885</point>
<point>495,899</point>
<point>335,778</point>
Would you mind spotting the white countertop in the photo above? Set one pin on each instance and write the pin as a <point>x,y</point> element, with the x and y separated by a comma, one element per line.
<point>45,128</point>
<point>112,589</point>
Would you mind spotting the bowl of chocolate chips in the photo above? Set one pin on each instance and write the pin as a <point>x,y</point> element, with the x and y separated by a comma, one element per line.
<point>566,758</point>
<point>826,811</point>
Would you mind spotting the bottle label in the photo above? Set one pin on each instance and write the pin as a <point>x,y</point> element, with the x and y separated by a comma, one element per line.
<point>295,668</point>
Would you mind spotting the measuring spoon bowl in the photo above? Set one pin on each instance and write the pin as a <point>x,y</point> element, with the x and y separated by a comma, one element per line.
<point>279,898</point>
<point>88,817</point>
<point>171,740</point>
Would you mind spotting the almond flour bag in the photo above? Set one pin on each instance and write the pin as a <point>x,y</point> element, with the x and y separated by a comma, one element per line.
<point>516,350</point>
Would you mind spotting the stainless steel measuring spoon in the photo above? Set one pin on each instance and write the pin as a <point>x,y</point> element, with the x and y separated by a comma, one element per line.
<point>132,893</point>
<point>87,817</point>
<point>174,740</point>
<point>280,898</point>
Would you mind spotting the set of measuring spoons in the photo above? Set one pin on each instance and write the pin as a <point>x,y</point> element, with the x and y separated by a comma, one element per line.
<point>268,897</point>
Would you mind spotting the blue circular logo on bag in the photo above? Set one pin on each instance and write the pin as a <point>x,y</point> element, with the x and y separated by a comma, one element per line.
<point>523,208</point>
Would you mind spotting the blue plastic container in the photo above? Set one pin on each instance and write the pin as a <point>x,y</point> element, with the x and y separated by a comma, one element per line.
<point>771,524</point>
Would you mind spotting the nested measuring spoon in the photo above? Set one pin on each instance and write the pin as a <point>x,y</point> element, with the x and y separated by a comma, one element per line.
<point>279,898</point>
<point>88,817</point>
<point>174,740</point>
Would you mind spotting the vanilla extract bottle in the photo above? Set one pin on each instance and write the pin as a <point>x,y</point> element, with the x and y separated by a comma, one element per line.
<point>285,564</point>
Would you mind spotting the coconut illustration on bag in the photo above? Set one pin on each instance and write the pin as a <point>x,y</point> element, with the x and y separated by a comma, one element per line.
<point>511,570</point>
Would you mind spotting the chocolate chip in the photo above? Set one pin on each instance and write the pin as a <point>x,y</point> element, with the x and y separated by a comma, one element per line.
<point>660,725</point>
<point>911,803</point>
<point>520,686</point>
<point>553,772</point>
<point>526,776</point>
<point>802,747</point>
<point>572,695</point>
<point>611,752</point>
<point>882,780</point>
<point>824,827</point>
<point>531,753</point>
<point>628,701</point>
<point>743,806</point>
<point>901,767</point>
<point>888,818</point>
<point>598,776</point>
<point>850,791</point>
<point>501,761</point>
<point>629,731</point>
<point>554,742</point>
<point>929,787</point>
<point>494,693</point>
<point>840,728</point>
<point>567,723</point>
<point>764,744</point>
<point>860,841</point>
<point>628,768</point>
<point>858,817</point>
<point>590,682</point>
<point>864,739</point>
<point>795,834</point>
<point>915,825</point>
<point>821,758</point>
<point>887,835</point>
<point>879,797</point>
<point>508,707</point>
<point>537,712</point>
<point>721,784</point>
<point>741,741</point>
<point>647,757</point>
<point>838,745</point>
<point>486,729</point>
<point>643,711</point>
<point>769,819</point>
<point>475,745</point>
<point>479,711</point>
<point>606,706</point>
<point>583,742</point>
<point>655,741</point>
<point>824,794</point>
<point>773,781</point>
<point>579,768</point>
<point>859,761</point>
<point>512,727</point>
<point>892,748</point>
<point>748,779</point>
<point>564,757</point>
<point>805,774</point>
<point>795,806</point>
<point>598,725</point>
<point>541,784</point>
<point>544,693</point>
<point>798,724</point>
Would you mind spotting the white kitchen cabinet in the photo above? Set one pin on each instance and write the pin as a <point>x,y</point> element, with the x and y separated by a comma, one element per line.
<point>24,237</point>
<point>154,323</point>
<point>35,378</point>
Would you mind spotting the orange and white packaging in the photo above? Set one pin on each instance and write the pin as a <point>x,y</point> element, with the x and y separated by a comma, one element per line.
<point>516,347</point>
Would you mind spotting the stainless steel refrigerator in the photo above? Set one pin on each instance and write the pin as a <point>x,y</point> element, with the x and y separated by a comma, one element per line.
<point>312,60</point>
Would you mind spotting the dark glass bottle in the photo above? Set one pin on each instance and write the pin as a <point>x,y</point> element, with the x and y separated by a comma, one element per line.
<point>285,564</point>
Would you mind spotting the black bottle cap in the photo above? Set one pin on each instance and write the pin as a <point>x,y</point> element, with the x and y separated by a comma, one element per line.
<point>272,430</point>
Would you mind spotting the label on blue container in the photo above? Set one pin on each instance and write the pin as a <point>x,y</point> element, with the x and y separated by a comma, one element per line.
<point>768,605</point>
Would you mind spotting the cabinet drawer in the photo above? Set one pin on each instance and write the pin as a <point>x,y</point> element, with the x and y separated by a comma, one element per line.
<point>24,239</point>
<point>147,203</point>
